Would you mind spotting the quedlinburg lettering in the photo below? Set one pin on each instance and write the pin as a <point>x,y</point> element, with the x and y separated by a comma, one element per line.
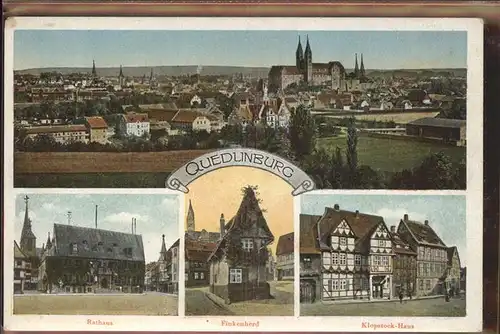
<point>237,157</point>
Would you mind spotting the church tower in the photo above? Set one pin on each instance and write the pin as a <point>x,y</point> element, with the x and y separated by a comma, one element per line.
<point>163,251</point>
<point>356,67</point>
<point>308,63</point>
<point>190,218</point>
<point>299,57</point>
<point>94,71</point>
<point>362,69</point>
<point>28,238</point>
<point>121,77</point>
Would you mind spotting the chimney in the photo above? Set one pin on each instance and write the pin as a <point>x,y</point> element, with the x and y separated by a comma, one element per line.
<point>222,222</point>
<point>426,222</point>
<point>393,229</point>
<point>132,225</point>
<point>96,216</point>
<point>405,218</point>
<point>357,214</point>
<point>336,207</point>
<point>135,225</point>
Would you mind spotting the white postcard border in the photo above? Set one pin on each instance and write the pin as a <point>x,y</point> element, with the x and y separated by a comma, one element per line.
<point>473,320</point>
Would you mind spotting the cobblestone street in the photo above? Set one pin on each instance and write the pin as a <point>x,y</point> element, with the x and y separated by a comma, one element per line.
<point>151,303</point>
<point>434,307</point>
<point>200,302</point>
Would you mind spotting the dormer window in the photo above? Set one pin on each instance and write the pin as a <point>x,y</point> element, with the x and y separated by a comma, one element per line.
<point>85,245</point>
<point>247,244</point>
<point>74,248</point>
<point>128,252</point>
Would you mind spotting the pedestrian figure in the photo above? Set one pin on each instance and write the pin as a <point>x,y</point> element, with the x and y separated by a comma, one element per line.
<point>400,296</point>
<point>409,294</point>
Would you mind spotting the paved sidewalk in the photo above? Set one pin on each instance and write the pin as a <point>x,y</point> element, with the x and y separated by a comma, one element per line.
<point>366,301</point>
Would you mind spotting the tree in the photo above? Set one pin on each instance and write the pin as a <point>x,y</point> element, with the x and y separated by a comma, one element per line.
<point>302,132</point>
<point>351,150</point>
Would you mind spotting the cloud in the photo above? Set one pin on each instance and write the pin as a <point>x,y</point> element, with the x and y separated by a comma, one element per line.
<point>170,203</point>
<point>393,216</point>
<point>125,217</point>
<point>50,207</point>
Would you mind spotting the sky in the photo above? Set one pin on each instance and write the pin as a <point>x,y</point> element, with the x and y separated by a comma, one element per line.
<point>155,214</point>
<point>381,49</point>
<point>446,213</point>
<point>212,195</point>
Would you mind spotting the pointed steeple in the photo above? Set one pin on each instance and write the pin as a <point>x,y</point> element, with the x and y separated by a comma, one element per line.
<point>308,52</point>
<point>163,251</point>
<point>299,56</point>
<point>356,67</point>
<point>151,75</point>
<point>94,72</point>
<point>49,242</point>
<point>28,238</point>
<point>121,72</point>
<point>190,218</point>
<point>362,69</point>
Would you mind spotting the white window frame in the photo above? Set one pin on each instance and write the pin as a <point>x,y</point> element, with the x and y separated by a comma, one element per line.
<point>235,276</point>
<point>381,243</point>
<point>335,259</point>
<point>202,275</point>
<point>196,275</point>
<point>75,248</point>
<point>247,244</point>
<point>343,285</point>
<point>343,241</point>
<point>343,259</point>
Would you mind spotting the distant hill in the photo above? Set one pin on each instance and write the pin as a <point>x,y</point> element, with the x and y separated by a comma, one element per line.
<point>139,71</point>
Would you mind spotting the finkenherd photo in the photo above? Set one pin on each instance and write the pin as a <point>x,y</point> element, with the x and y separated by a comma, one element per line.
<point>383,255</point>
<point>239,245</point>
<point>353,109</point>
<point>96,254</point>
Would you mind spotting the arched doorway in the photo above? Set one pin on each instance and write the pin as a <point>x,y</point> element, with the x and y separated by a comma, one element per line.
<point>104,283</point>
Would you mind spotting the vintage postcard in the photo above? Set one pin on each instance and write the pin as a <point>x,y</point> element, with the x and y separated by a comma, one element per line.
<point>239,174</point>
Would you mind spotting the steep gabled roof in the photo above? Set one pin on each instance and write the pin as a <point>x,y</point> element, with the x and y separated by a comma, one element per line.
<point>285,244</point>
<point>199,251</point>
<point>18,253</point>
<point>361,224</point>
<point>96,122</point>
<point>97,243</point>
<point>309,234</point>
<point>400,246</point>
<point>450,251</point>
<point>249,217</point>
<point>422,233</point>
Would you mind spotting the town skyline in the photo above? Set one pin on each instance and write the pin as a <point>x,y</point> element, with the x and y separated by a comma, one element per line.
<point>155,215</point>
<point>446,214</point>
<point>382,50</point>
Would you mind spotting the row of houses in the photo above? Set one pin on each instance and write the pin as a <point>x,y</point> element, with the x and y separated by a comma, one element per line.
<point>352,255</point>
<point>163,275</point>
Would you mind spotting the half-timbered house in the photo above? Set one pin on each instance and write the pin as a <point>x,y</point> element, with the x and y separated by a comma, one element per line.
<point>238,263</point>
<point>310,259</point>
<point>197,270</point>
<point>453,276</point>
<point>404,266</point>
<point>432,256</point>
<point>356,255</point>
<point>284,257</point>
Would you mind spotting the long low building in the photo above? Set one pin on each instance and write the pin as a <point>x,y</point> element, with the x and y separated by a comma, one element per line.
<point>447,130</point>
<point>62,134</point>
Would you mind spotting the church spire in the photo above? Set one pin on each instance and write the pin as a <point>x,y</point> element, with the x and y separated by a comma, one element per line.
<point>362,69</point>
<point>94,72</point>
<point>356,67</point>
<point>28,238</point>
<point>308,52</point>
<point>299,56</point>
<point>190,218</point>
<point>49,242</point>
<point>121,72</point>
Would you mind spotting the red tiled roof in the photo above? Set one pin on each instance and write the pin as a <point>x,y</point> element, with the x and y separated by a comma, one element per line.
<point>291,70</point>
<point>96,122</point>
<point>198,251</point>
<point>285,244</point>
<point>136,118</point>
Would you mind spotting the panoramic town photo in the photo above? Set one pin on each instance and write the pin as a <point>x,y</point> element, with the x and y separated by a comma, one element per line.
<point>96,254</point>
<point>239,245</point>
<point>383,255</point>
<point>353,109</point>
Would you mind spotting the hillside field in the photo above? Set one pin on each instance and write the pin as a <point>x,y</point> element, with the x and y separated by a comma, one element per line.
<point>392,155</point>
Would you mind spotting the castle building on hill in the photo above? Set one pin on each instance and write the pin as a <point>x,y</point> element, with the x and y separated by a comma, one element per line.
<point>305,71</point>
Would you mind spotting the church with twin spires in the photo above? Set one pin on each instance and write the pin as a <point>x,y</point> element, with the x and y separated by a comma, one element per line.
<point>305,71</point>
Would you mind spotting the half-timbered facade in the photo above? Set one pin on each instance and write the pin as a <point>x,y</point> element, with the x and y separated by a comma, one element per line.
<point>454,269</point>
<point>238,263</point>
<point>310,259</point>
<point>284,257</point>
<point>432,256</point>
<point>356,255</point>
<point>404,266</point>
